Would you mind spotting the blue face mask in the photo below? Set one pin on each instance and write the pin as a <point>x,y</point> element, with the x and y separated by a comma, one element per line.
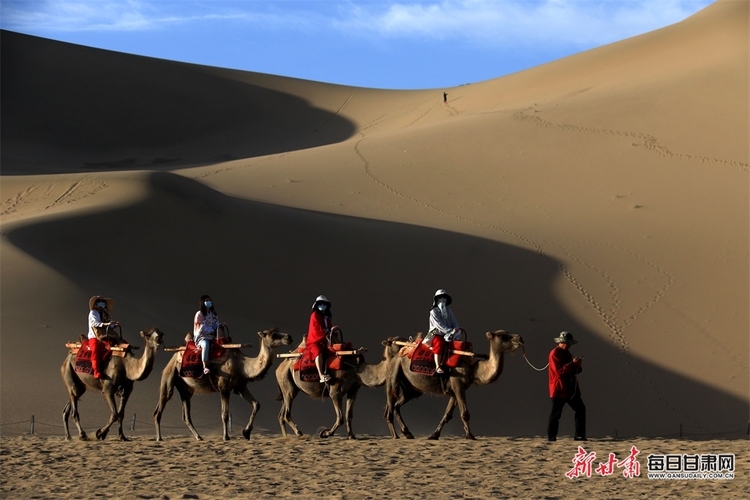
<point>208,304</point>
<point>322,307</point>
<point>101,305</point>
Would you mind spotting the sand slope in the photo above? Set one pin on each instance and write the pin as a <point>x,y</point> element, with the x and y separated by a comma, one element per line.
<point>605,194</point>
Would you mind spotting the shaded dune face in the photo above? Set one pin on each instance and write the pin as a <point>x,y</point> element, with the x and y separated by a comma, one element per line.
<point>108,110</point>
<point>263,259</point>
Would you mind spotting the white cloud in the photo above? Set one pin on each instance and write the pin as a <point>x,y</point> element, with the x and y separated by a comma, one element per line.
<point>488,22</point>
<point>518,21</point>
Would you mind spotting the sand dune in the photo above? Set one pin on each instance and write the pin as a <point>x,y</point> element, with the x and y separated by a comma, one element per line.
<point>605,194</point>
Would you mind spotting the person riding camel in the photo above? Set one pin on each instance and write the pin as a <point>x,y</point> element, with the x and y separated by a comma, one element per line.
<point>100,324</point>
<point>318,332</point>
<point>444,327</point>
<point>206,327</point>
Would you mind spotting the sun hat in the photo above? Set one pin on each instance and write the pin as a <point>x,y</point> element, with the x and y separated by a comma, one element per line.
<point>96,298</point>
<point>321,299</point>
<point>565,338</point>
<point>441,294</point>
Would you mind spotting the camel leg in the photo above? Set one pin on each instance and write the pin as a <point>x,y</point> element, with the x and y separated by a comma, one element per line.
<point>337,398</point>
<point>127,390</point>
<point>225,414</point>
<point>289,391</point>
<point>446,418</point>
<point>285,415</point>
<point>185,395</point>
<point>463,410</point>
<point>247,396</point>
<point>351,397</point>
<point>166,389</point>
<point>395,398</point>
<point>75,390</point>
<point>108,394</point>
<point>402,400</point>
<point>390,399</point>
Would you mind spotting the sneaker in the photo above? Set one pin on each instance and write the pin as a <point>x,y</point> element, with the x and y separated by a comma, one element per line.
<point>439,370</point>
<point>325,378</point>
<point>206,371</point>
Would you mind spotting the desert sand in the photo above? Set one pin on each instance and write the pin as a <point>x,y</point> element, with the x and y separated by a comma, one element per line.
<point>336,468</point>
<point>605,194</point>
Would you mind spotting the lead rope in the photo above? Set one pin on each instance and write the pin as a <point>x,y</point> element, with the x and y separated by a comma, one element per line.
<point>529,362</point>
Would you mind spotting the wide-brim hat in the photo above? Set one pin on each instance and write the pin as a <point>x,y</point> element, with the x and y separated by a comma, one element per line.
<point>441,294</point>
<point>565,338</point>
<point>321,299</point>
<point>96,298</point>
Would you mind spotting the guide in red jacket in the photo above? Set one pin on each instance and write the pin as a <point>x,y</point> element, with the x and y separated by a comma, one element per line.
<point>563,387</point>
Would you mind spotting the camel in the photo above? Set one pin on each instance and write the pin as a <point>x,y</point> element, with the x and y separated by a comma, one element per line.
<point>119,375</point>
<point>232,375</point>
<point>403,384</point>
<point>344,383</point>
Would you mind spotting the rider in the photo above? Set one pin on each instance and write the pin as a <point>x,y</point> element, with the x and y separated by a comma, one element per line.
<point>321,323</point>
<point>205,328</point>
<point>443,326</point>
<point>100,323</point>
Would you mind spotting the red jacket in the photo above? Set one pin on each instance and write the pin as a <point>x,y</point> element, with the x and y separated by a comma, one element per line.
<point>562,374</point>
<point>319,327</point>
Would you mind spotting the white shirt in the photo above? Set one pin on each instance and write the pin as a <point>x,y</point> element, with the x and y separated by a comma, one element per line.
<point>95,321</point>
<point>205,326</point>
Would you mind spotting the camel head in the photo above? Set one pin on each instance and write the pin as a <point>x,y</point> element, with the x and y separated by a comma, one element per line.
<point>153,337</point>
<point>272,338</point>
<point>391,348</point>
<point>508,341</point>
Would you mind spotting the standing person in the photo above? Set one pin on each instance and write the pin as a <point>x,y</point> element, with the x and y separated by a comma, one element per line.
<point>563,387</point>
<point>321,323</point>
<point>443,326</point>
<point>445,97</point>
<point>205,328</point>
<point>100,323</point>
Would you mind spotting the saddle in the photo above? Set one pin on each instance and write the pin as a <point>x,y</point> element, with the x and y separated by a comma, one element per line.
<point>192,366</point>
<point>305,365</point>
<point>423,360</point>
<point>84,351</point>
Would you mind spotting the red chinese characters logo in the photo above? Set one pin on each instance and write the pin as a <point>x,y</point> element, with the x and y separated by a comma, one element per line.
<point>582,464</point>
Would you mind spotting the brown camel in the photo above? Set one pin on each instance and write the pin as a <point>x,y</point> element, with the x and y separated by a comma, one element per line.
<point>403,384</point>
<point>119,375</point>
<point>231,375</point>
<point>344,383</point>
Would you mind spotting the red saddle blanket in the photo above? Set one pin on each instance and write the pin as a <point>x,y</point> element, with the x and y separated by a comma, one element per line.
<point>192,366</point>
<point>423,360</point>
<point>305,365</point>
<point>85,352</point>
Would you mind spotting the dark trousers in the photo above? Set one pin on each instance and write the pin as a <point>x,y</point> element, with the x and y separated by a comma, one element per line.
<point>580,416</point>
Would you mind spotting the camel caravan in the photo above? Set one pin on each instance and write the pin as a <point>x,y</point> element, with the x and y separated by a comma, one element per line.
<point>323,365</point>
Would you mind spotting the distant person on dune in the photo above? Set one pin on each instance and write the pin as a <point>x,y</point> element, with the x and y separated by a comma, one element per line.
<point>445,97</point>
<point>563,387</point>
<point>444,327</point>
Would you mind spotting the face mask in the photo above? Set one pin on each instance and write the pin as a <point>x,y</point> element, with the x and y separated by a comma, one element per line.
<point>101,305</point>
<point>208,304</point>
<point>322,307</point>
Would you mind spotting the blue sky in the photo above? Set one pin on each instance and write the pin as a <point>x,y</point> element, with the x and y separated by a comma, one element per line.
<point>406,44</point>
